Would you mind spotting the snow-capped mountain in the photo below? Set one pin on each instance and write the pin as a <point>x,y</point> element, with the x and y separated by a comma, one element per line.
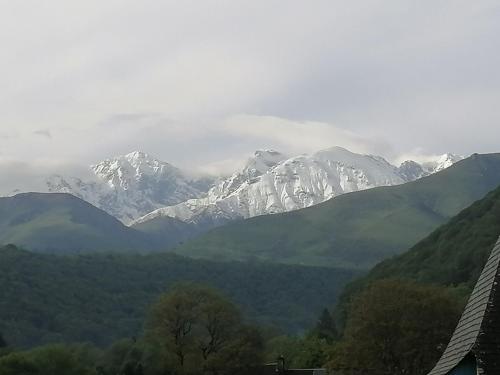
<point>272,183</point>
<point>132,185</point>
<point>411,170</point>
<point>440,163</point>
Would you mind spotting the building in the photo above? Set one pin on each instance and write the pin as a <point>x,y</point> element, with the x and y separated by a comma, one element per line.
<point>474,348</point>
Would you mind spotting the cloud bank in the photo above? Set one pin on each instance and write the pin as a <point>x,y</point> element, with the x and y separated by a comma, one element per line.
<point>200,83</point>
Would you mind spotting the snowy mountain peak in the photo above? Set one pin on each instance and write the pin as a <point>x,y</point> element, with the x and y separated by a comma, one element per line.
<point>447,160</point>
<point>261,162</point>
<point>441,162</point>
<point>342,155</point>
<point>124,172</point>
<point>137,155</point>
<point>272,183</point>
<point>137,186</point>
<point>339,150</point>
<point>411,170</point>
<point>142,160</point>
<point>132,185</point>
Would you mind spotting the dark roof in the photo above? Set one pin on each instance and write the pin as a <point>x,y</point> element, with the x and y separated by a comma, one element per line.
<point>478,331</point>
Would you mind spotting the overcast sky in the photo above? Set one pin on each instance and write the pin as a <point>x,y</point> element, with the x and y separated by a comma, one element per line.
<point>204,83</point>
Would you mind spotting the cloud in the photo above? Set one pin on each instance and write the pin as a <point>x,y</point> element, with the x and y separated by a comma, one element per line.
<point>196,82</point>
<point>43,133</point>
<point>31,176</point>
<point>5,135</point>
<point>296,137</point>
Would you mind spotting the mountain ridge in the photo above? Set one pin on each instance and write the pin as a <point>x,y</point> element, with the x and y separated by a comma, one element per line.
<point>357,229</point>
<point>293,183</point>
<point>132,185</point>
<point>453,255</point>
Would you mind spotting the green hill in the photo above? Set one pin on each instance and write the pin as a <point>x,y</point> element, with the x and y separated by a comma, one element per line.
<point>453,255</point>
<point>168,232</point>
<point>101,298</point>
<point>62,222</point>
<point>354,230</point>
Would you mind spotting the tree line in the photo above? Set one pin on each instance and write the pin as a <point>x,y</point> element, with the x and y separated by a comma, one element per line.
<point>394,327</point>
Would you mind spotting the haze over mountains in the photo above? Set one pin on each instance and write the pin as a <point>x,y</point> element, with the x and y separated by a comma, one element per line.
<point>136,187</point>
<point>352,230</point>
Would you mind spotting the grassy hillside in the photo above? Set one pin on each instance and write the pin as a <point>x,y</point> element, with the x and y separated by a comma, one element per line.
<point>168,232</point>
<point>62,222</point>
<point>354,230</point>
<point>101,298</point>
<point>453,255</point>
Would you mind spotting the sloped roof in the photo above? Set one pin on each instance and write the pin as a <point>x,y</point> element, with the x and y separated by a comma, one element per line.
<point>478,331</point>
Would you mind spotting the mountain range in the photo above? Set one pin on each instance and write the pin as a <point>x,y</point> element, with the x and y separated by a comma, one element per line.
<point>357,229</point>
<point>353,230</point>
<point>273,183</point>
<point>132,185</point>
<point>136,188</point>
<point>102,297</point>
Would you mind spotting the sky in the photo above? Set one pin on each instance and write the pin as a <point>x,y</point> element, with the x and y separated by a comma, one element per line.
<point>202,84</point>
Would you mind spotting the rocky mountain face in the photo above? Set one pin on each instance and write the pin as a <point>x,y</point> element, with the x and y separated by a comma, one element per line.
<point>272,183</point>
<point>132,185</point>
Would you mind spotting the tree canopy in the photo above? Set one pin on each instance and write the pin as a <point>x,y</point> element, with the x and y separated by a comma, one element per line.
<point>397,327</point>
<point>203,332</point>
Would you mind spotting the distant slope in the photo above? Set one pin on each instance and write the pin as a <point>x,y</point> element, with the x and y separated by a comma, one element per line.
<point>166,232</point>
<point>354,230</point>
<point>63,223</point>
<point>452,255</point>
<point>101,298</point>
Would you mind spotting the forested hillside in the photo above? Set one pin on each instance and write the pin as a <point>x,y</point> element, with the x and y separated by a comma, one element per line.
<point>453,255</point>
<point>101,298</point>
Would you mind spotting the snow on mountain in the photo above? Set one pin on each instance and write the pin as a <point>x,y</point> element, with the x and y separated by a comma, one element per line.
<point>132,185</point>
<point>136,187</point>
<point>217,207</point>
<point>441,162</point>
<point>410,170</point>
<point>271,183</point>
